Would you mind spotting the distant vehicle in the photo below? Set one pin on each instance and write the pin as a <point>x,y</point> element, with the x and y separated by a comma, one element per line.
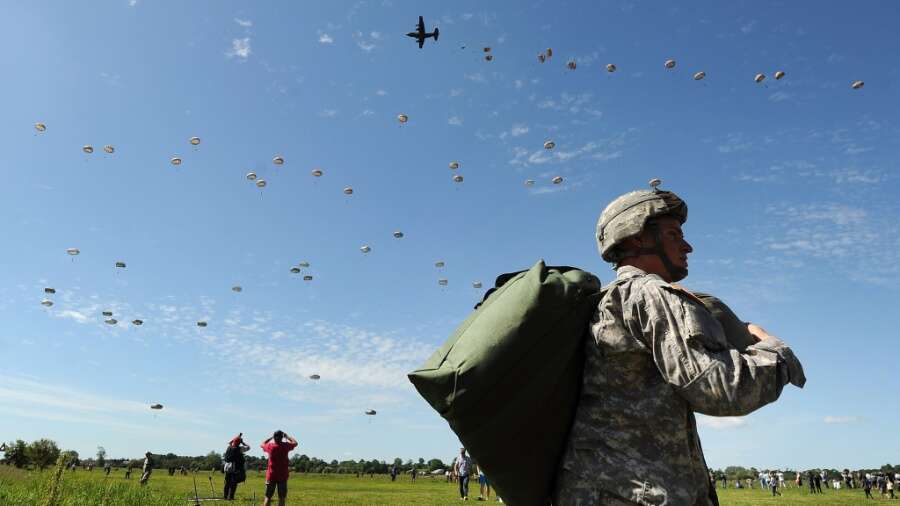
<point>420,34</point>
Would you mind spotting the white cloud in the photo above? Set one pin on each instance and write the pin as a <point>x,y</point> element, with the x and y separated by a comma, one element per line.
<point>324,38</point>
<point>328,113</point>
<point>73,315</point>
<point>455,92</point>
<point>375,35</point>
<point>841,419</point>
<point>365,46</point>
<point>455,121</point>
<point>749,26</point>
<point>132,3</point>
<point>780,96</point>
<point>519,130</point>
<point>246,23</point>
<point>477,77</point>
<point>721,422</point>
<point>240,48</point>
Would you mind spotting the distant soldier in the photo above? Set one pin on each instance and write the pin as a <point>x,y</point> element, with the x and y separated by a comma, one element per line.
<point>147,468</point>
<point>128,472</point>
<point>655,356</point>
<point>107,469</point>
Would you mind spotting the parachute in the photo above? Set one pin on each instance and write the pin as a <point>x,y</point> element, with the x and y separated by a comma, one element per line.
<point>557,179</point>
<point>261,183</point>
<point>549,145</point>
<point>251,176</point>
<point>655,182</point>
<point>295,270</point>
<point>307,278</point>
<point>314,377</point>
<point>779,74</point>
<point>759,78</point>
<point>107,313</point>
<point>371,412</point>
<point>175,160</point>
<point>457,178</point>
<point>402,118</point>
<point>572,65</point>
<point>278,160</point>
<point>137,323</point>
<point>365,249</point>
<point>454,165</point>
<point>857,85</point>
<point>304,264</point>
<point>549,52</point>
<point>50,291</point>
<point>699,75</point>
<point>529,182</point>
<point>476,284</point>
<point>73,251</point>
<point>109,149</point>
<point>195,141</point>
<point>201,324</point>
<point>442,281</point>
<point>670,64</point>
<point>439,264</point>
<point>487,50</point>
<point>610,67</point>
<point>156,406</point>
<point>237,289</point>
<point>46,302</point>
<point>398,234</point>
<point>317,172</point>
<point>488,57</point>
<point>88,149</point>
<point>40,127</point>
<point>541,57</point>
<point>348,191</point>
<point>111,321</point>
<point>120,265</point>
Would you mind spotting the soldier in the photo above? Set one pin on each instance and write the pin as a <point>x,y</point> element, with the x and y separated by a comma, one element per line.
<point>655,356</point>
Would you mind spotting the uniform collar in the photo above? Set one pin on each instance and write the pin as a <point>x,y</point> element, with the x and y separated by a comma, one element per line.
<point>629,271</point>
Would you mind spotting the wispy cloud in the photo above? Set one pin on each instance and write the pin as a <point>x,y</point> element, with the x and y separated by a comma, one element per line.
<point>324,38</point>
<point>477,77</point>
<point>240,48</point>
<point>605,149</point>
<point>246,23</point>
<point>830,419</point>
<point>721,423</point>
<point>455,121</point>
<point>748,27</point>
<point>328,113</point>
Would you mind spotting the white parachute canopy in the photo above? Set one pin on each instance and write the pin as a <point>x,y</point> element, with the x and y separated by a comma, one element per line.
<point>857,85</point>
<point>398,234</point>
<point>371,412</point>
<point>699,75</point>
<point>261,183</point>
<point>549,145</point>
<point>366,248</point>
<point>137,322</point>
<point>348,190</point>
<point>557,180</point>
<point>670,64</point>
<point>111,321</point>
<point>779,74</point>
<point>402,118</point>
<point>40,127</point>
<point>107,313</point>
<point>73,251</point>
<point>304,264</point>
<point>476,284</point>
<point>759,78</point>
<point>307,278</point>
<point>457,178</point>
<point>251,176</point>
<point>454,165</point>
<point>314,377</point>
<point>610,67</point>
<point>46,302</point>
<point>49,290</point>
<point>237,289</point>
<point>201,324</point>
<point>295,270</point>
<point>120,265</point>
<point>87,148</point>
<point>529,182</point>
<point>195,141</point>
<point>109,149</point>
<point>175,160</point>
<point>439,264</point>
<point>317,172</point>
<point>442,281</point>
<point>278,160</point>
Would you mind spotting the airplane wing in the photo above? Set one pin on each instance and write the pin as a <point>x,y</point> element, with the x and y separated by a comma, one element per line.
<point>421,42</point>
<point>421,27</point>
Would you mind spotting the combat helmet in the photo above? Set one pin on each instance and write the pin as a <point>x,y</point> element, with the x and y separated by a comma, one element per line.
<point>627,216</point>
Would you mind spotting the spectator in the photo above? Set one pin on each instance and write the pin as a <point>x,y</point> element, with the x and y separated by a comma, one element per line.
<point>235,466</point>
<point>413,474</point>
<point>773,483</point>
<point>277,472</point>
<point>463,467</point>
<point>817,479</point>
<point>762,480</point>
<point>799,479</point>
<point>107,469</point>
<point>749,483</point>
<point>394,472</point>
<point>867,486</point>
<point>147,469</point>
<point>128,472</point>
<point>881,482</point>
<point>889,485</point>
<point>823,479</point>
<point>810,477</point>
<point>484,486</point>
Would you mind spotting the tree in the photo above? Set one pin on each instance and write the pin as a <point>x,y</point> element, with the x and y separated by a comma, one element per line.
<point>42,453</point>
<point>17,454</point>
<point>71,457</point>
<point>435,464</point>
<point>101,456</point>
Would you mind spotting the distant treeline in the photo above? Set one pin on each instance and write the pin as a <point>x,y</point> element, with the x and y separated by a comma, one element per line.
<point>44,452</point>
<point>742,473</point>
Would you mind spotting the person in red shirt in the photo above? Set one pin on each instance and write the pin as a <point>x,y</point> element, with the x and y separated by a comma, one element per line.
<point>277,472</point>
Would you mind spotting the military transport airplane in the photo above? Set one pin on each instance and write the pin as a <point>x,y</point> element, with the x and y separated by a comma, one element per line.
<point>420,34</point>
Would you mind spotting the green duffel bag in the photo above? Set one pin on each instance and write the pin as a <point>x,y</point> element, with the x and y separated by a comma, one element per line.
<point>507,380</point>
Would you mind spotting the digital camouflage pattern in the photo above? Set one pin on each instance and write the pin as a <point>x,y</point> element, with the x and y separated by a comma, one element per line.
<point>655,357</point>
<point>626,216</point>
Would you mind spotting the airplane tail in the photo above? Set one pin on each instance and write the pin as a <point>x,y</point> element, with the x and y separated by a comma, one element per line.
<point>436,33</point>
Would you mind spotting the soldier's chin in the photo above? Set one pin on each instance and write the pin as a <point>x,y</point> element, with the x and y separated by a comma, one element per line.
<point>679,273</point>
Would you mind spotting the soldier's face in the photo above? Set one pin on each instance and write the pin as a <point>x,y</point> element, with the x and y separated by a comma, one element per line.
<point>676,248</point>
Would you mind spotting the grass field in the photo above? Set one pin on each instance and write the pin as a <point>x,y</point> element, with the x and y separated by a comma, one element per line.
<point>82,488</point>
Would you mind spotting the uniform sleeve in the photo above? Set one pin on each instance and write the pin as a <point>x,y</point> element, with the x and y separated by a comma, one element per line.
<point>691,352</point>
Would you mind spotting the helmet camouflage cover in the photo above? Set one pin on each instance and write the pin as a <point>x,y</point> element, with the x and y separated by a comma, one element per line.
<point>627,215</point>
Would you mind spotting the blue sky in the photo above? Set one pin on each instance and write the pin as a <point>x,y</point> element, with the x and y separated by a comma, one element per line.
<point>791,184</point>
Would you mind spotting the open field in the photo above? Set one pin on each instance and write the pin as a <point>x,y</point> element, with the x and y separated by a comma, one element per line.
<point>82,488</point>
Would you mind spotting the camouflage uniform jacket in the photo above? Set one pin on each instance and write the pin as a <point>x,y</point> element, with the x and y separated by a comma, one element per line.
<point>656,356</point>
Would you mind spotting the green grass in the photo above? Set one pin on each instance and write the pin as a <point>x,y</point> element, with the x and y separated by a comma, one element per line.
<point>82,488</point>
